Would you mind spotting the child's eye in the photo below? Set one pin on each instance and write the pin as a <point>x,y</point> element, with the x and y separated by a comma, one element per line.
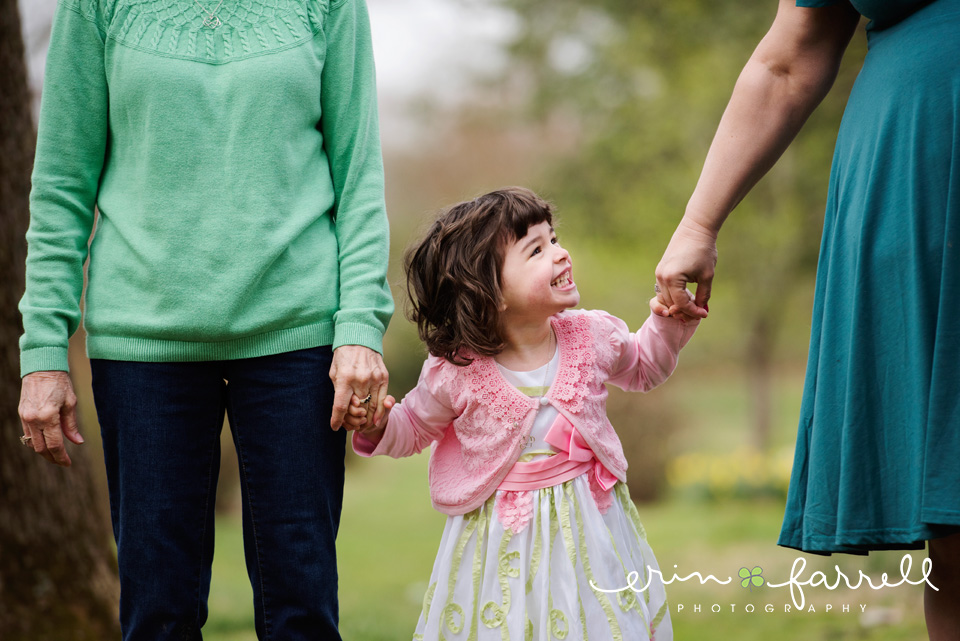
<point>536,250</point>
<point>554,240</point>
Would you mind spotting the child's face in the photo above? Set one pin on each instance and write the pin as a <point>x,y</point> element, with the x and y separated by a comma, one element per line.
<point>536,279</point>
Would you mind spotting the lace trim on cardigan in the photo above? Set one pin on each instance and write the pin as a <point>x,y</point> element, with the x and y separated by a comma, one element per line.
<point>577,360</point>
<point>174,28</point>
<point>493,392</point>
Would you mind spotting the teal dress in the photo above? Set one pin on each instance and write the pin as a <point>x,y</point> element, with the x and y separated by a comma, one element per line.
<point>877,463</point>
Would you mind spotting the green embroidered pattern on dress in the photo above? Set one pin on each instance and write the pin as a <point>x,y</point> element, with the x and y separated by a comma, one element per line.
<point>627,599</point>
<point>567,532</point>
<point>623,495</point>
<point>494,615</point>
<point>585,562</point>
<point>662,612</point>
<point>535,558</point>
<point>427,601</point>
<point>630,509</point>
<point>557,619</point>
<point>450,608</point>
<point>554,530</point>
<point>559,628</point>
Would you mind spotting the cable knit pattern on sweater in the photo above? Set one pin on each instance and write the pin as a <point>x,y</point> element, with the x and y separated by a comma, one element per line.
<point>174,28</point>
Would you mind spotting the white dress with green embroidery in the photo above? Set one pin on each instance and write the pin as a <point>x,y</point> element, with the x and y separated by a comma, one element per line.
<point>526,569</point>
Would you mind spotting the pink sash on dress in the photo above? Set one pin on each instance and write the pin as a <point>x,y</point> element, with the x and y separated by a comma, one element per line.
<point>573,459</point>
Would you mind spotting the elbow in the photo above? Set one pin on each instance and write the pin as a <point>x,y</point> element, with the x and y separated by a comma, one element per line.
<point>803,66</point>
<point>793,86</point>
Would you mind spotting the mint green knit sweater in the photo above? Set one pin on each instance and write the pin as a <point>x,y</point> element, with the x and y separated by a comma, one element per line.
<point>237,173</point>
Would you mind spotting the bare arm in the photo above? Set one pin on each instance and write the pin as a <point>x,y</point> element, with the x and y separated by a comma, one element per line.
<point>789,73</point>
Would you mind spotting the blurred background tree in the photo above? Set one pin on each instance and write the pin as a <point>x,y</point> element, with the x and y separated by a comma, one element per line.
<point>57,569</point>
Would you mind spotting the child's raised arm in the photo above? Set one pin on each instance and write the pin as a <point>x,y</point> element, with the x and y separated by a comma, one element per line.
<point>410,426</point>
<point>646,359</point>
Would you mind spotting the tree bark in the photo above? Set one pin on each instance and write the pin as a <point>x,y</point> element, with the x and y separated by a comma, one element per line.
<point>58,577</point>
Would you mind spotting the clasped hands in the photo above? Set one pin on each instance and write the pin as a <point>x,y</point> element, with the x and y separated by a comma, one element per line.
<point>690,257</point>
<point>360,400</point>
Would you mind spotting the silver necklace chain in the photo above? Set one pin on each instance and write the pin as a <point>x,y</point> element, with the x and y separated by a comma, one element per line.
<point>212,20</point>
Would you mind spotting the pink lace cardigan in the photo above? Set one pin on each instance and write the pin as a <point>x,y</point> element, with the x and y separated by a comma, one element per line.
<point>479,421</point>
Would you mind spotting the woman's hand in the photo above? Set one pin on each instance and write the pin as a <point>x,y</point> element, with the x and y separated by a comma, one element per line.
<point>690,257</point>
<point>357,371</point>
<point>48,413</point>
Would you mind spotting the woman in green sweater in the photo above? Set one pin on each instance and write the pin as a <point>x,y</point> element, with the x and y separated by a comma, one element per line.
<point>238,264</point>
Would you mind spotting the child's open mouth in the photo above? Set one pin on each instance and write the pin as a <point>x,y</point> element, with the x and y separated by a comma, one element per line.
<point>563,280</point>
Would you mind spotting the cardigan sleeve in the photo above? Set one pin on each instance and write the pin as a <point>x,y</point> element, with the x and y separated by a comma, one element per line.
<point>647,358</point>
<point>351,139</point>
<point>424,415</point>
<point>71,144</point>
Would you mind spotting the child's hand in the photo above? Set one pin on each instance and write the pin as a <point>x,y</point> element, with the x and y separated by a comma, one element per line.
<point>659,307</point>
<point>356,416</point>
<point>388,404</point>
<point>375,431</point>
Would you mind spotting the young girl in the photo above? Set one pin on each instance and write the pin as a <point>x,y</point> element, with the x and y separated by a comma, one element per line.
<point>525,462</point>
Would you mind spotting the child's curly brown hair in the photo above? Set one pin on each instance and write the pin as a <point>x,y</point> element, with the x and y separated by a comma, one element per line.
<point>453,274</point>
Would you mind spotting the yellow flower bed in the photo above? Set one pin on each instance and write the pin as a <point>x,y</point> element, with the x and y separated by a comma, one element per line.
<point>742,473</point>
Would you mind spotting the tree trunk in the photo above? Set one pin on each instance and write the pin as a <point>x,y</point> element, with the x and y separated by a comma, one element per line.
<point>58,577</point>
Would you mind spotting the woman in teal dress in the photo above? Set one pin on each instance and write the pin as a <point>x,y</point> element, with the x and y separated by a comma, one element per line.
<point>877,462</point>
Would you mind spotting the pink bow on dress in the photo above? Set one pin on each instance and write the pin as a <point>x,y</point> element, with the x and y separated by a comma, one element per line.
<point>564,436</point>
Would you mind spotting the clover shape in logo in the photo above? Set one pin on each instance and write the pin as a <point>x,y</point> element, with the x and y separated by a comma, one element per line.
<point>750,578</point>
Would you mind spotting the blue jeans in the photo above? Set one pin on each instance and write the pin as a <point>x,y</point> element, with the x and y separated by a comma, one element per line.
<point>161,439</point>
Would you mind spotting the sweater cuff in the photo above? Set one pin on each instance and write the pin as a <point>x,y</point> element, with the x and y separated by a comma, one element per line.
<point>43,359</point>
<point>363,446</point>
<point>685,328</point>
<point>358,334</point>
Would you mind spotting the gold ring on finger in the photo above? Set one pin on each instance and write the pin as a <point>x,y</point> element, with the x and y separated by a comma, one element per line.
<point>366,399</point>
<point>26,439</point>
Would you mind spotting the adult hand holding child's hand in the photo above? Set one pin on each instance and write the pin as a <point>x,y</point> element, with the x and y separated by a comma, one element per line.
<point>690,257</point>
<point>356,418</point>
<point>357,371</point>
